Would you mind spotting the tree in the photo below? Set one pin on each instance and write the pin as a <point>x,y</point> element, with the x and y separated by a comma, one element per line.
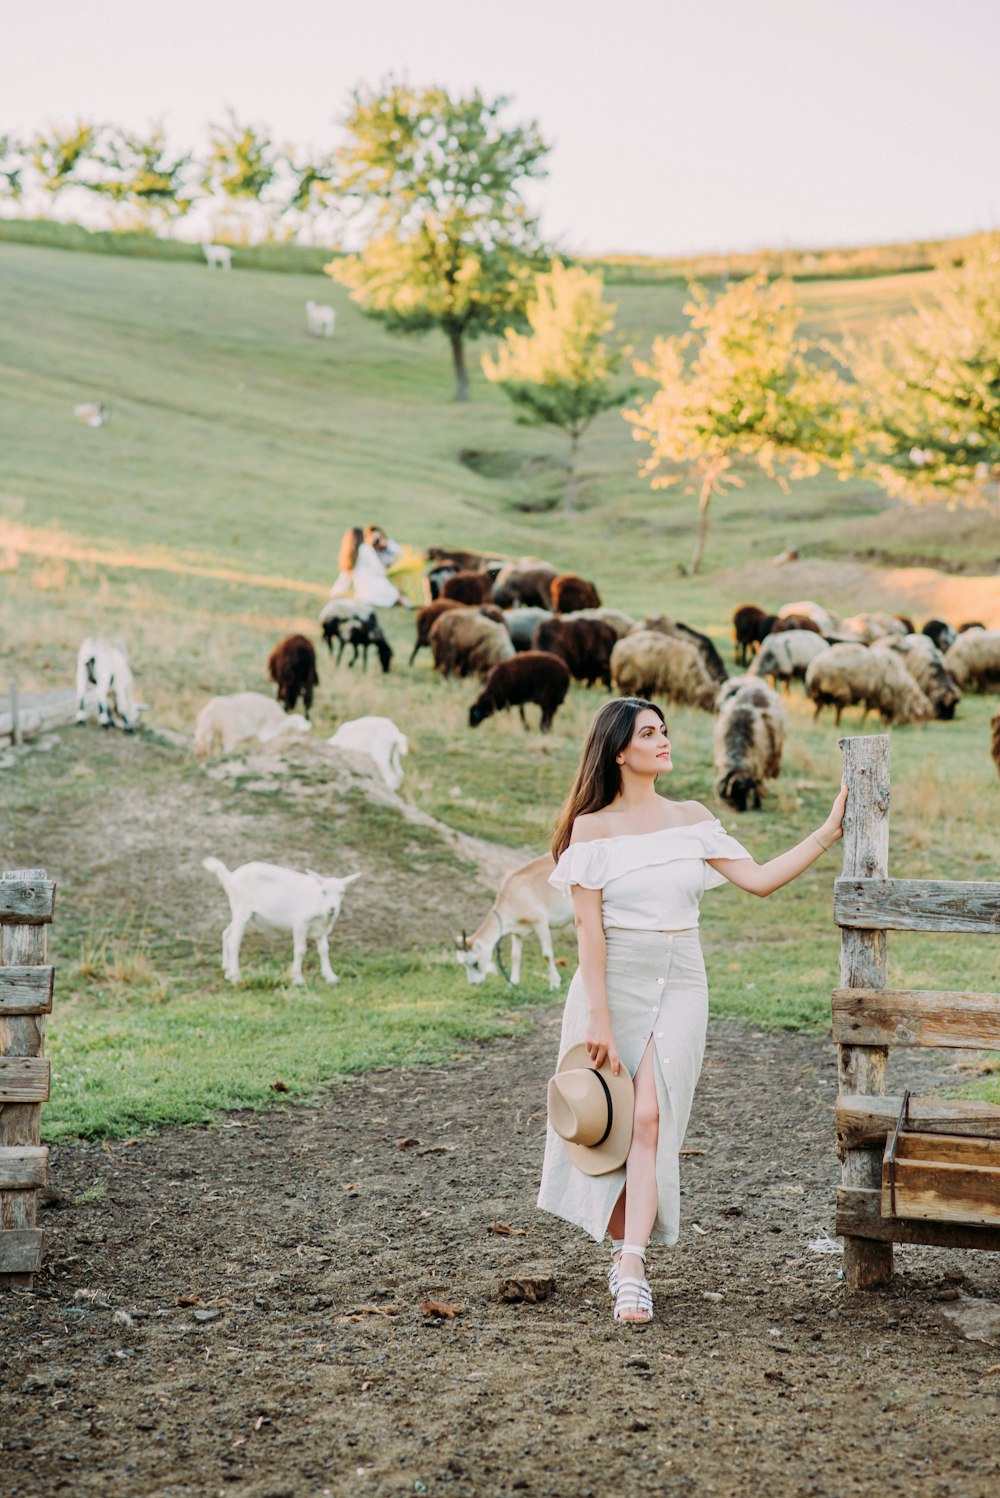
<point>737,388</point>
<point>452,244</point>
<point>141,171</point>
<point>561,373</point>
<point>928,389</point>
<point>60,157</point>
<point>14,157</point>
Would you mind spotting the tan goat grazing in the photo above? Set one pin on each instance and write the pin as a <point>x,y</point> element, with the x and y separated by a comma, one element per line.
<point>845,675</point>
<point>648,664</point>
<point>465,643</point>
<point>525,902</point>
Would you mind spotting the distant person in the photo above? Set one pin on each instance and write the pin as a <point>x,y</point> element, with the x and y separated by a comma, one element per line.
<point>363,569</point>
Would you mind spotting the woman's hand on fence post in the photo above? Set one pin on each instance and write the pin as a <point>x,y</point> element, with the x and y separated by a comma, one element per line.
<point>833,827</point>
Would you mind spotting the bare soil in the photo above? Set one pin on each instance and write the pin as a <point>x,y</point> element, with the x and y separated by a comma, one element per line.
<point>247,1311</point>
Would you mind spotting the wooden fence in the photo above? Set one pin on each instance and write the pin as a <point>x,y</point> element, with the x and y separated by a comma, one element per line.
<point>950,1174</point>
<point>27,900</point>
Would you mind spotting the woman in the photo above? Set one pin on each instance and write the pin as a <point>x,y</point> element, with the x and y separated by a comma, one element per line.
<point>637,866</point>
<point>363,571</point>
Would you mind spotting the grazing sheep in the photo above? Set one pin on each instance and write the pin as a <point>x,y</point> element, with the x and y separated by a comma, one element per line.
<point>465,643</point>
<point>584,644</point>
<point>649,664</point>
<point>974,660</point>
<point>571,592</point>
<point>925,664</point>
<point>785,656</point>
<point>434,579</point>
<point>941,633</point>
<point>534,676</point>
<point>995,733</point>
<point>529,586</point>
<point>105,666</point>
<point>381,740</point>
<point>425,619</point>
<point>847,674</point>
<point>795,621</point>
<point>522,624</point>
<point>734,684</point>
<point>660,624</point>
<point>828,622</point>
<point>320,319</point>
<point>468,587</point>
<point>747,742</point>
<point>525,902</point>
<point>280,900</point>
<point>355,624</point>
<point>461,560</point>
<point>292,664</point>
<point>227,721</point>
<point>218,256</point>
<point>867,628</point>
<point>92,413</point>
<point>620,622</point>
<point>751,625</point>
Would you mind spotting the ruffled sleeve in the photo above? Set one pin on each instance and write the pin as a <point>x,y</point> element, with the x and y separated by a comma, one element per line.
<point>587,864</point>
<point>718,844</point>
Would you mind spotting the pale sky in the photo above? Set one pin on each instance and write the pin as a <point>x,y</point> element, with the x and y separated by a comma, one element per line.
<point>677,127</point>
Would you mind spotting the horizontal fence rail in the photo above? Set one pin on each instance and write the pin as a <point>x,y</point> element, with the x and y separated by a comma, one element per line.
<point>26,902</point>
<point>864,1121</point>
<point>916,1016</point>
<point>917,905</point>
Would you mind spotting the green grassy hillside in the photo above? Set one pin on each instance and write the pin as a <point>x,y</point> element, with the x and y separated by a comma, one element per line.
<point>203,523</point>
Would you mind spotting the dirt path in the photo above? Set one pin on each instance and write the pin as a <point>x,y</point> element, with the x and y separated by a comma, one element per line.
<point>312,1238</point>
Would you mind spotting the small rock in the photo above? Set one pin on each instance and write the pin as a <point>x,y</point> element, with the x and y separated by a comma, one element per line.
<point>205,1315</point>
<point>711,1295</point>
<point>529,1289</point>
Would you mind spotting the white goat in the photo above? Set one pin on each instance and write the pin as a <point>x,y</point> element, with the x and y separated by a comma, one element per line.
<point>525,902</point>
<point>320,318</point>
<point>105,666</point>
<point>218,255</point>
<point>279,900</point>
<point>92,413</point>
<point>381,740</point>
<point>227,721</point>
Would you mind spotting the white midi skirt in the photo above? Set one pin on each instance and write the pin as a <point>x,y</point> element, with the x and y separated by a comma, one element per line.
<point>658,996</point>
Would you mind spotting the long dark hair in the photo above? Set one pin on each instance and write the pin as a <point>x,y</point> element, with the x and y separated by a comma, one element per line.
<point>349,546</point>
<point>598,779</point>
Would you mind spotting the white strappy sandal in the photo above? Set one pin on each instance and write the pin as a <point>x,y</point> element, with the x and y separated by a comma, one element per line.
<point>633,1295</point>
<point>616,1249</point>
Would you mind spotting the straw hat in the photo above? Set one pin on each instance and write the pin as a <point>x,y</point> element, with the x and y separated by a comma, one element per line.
<point>591,1111</point>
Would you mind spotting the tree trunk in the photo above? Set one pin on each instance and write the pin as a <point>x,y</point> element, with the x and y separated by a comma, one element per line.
<point>704,498</point>
<point>569,494</point>
<point>458,359</point>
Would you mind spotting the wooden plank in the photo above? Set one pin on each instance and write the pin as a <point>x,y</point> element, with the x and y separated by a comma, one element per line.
<point>859,1213</point>
<point>917,905</point>
<point>26,902</point>
<point>866,1120</point>
<point>916,1016</point>
<point>23,1168</point>
<point>24,1079</point>
<point>949,1149</point>
<point>21,1251</point>
<point>21,1044</point>
<point>26,990</point>
<point>942,1191</point>
<point>862,1069</point>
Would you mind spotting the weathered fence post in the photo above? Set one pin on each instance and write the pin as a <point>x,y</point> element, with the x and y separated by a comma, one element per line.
<point>862,1068</point>
<point>26,904</point>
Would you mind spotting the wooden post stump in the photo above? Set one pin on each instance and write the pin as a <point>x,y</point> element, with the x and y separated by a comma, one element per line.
<point>862,1068</point>
<point>26,904</point>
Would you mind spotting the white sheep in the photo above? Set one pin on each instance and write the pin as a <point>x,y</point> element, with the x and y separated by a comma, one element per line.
<point>846,674</point>
<point>925,664</point>
<point>218,255</point>
<point>828,622</point>
<point>747,741</point>
<point>227,721</point>
<point>648,664</point>
<point>381,740</point>
<point>279,899</point>
<point>105,666</point>
<point>320,319</point>
<point>786,655</point>
<point>92,413</point>
<point>974,659</point>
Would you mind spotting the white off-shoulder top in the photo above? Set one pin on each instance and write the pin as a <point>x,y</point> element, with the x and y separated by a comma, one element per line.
<point>650,881</point>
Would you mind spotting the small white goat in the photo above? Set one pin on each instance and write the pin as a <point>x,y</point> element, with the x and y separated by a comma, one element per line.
<point>218,255</point>
<point>525,902</point>
<point>279,899</point>
<point>105,666</point>
<point>92,413</point>
<point>227,721</point>
<point>381,740</point>
<point>320,318</point>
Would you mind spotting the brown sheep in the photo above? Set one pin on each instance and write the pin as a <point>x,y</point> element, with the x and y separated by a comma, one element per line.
<point>794,621</point>
<point>465,643</point>
<point>570,592</point>
<point>649,664</point>
<point>535,676</point>
<point>995,731</point>
<point>468,587</point>
<point>750,626</point>
<point>292,664</point>
<point>584,644</point>
<point>529,586</point>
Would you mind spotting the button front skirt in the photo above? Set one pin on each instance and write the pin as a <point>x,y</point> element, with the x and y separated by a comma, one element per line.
<point>657,996</point>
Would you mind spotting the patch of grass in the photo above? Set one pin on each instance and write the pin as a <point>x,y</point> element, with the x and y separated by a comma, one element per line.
<point>97,1191</point>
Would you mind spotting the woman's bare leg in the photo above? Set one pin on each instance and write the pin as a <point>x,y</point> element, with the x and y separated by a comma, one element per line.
<point>640,1200</point>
